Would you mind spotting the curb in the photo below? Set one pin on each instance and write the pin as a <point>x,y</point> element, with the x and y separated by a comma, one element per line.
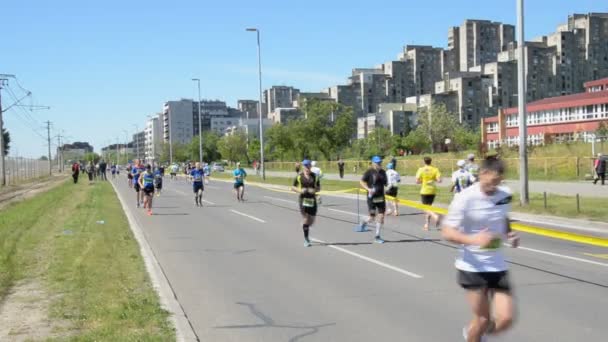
<point>168,299</point>
<point>552,233</point>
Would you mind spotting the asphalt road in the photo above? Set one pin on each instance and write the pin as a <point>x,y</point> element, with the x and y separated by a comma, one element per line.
<point>241,273</point>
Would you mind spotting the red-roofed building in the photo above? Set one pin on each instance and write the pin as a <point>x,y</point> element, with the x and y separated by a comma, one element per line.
<point>556,119</point>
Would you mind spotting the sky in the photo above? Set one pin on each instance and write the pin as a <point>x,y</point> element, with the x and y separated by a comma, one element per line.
<point>103,66</point>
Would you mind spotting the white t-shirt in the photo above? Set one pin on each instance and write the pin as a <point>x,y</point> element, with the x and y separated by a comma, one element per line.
<point>393,178</point>
<point>473,211</point>
<point>316,171</point>
<point>462,179</point>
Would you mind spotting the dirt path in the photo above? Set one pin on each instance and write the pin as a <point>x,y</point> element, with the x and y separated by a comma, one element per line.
<point>12,194</point>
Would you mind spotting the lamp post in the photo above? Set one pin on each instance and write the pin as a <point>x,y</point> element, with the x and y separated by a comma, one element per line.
<point>200,122</point>
<point>262,164</point>
<point>521,92</point>
<point>136,141</point>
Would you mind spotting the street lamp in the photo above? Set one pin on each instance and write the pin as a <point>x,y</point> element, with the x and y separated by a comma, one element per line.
<point>126,143</point>
<point>262,164</point>
<point>200,122</point>
<point>521,91</point>
<point>136,141</point>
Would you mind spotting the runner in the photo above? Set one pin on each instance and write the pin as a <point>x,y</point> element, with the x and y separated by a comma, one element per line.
<point>239,182</point>
<point>461,178</point>
<point>130,175</point>
<point>427,176</point>
<point>113,170</point>
<point>207,171</point>
<point>307,185</point>
<point>174,169</point>
<point>472,167</point>
<point>478,220</point>
<point>196,175</point>
<point>393,189</point>
<point>158,181</point>
<point>374,180</point>
<point>136,170</point>
<point>146,183</point>
<point>319,174</point>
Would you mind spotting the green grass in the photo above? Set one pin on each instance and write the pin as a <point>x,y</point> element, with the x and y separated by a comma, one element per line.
<point>94,273</point>
<point>557,205</point>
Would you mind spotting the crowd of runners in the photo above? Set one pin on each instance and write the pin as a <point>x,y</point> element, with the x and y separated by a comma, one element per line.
<point>477,219</point>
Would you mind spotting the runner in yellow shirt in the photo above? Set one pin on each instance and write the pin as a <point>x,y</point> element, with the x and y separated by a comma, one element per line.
<point>428,176</point>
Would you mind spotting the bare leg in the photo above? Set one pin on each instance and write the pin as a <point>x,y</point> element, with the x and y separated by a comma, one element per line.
<point>503,312</point>
<point>480,305</point>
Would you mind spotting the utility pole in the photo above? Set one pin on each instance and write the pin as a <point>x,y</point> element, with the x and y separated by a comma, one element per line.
<point>58,153</point>
<point>48,133</point>
<point>3,166</point>
<point>521,92</point>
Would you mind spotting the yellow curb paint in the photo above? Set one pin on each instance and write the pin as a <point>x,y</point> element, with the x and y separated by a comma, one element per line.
<point>602,256</point>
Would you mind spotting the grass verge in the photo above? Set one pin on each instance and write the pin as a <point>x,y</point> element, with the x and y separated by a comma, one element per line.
<point>557,205</point>
<point>93,272</point>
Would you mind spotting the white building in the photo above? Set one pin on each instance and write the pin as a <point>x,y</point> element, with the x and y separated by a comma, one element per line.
<point>221,123</point>
<point>153,138</point>
<point>178,121</point>
<point>251,127</point>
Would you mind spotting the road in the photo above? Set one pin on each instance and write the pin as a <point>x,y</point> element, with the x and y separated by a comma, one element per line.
<point>585,189</point>
<point>241,273</point>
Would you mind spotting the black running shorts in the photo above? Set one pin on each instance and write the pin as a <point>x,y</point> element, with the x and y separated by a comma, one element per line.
<point>149,190</point>
<point>308,206</point>
<point>392,191</point>
<point>376,205</point>
<point>427,199</point>
<point>197,186</point>
<point>498,281</point>
<point>137,187</point>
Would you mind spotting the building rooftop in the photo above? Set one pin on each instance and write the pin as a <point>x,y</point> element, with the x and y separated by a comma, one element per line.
<point>567,101</point>
<point>602,81</point>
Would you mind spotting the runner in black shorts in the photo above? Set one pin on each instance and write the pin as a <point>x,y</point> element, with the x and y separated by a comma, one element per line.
<point>374,180</point>
<point>307,185</point>
<point>146,182</point>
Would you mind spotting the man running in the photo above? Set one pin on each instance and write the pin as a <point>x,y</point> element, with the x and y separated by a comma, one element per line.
<point>428,176</point>
<point>461,178</point>
<point>130,175</point>
<point>136,171</point>
<point>374,180</point>
<point>113,170</point>
<point>146,183</point>
<point>158,181</point>
<point>319,174</point>
<point>239,182</point>
<point>207,171</point>
<point>197,174</point>
<point>393,188</point>
<point>478,220</point>
<point>174,169</point>
<point>472,167</point>
<point>307,185</point>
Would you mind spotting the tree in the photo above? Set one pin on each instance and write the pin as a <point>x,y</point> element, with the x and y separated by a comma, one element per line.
<point>378,143</point>
<point>181,153</point>
<point>465,138</point>
<point>438,124</point>
<point>279,141</point>
<point>43,158</point>
<point>6,140</point>
<point>210,151</point>
<point>93,157</point>
<point>417,141</point>
<point>602,129</point>
<point>233,147</point>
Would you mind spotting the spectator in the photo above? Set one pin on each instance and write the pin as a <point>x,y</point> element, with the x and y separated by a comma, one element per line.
<point>75,172</point>
<point>102,170</point>
<point>341,167</point>
<point>90,169</point>
<point>600,169</point>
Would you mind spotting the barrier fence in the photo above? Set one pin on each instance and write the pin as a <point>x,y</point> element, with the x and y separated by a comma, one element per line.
<point>539,168</point>
<point>19,170</point>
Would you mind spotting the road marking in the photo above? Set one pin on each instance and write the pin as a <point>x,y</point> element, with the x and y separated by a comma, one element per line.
<point>249,216</point>
<point>280,199</point>
<point>563,256</point>
<point>180,192</point>
<point>212,187</point>
<point>345,212</point>
<point>373,261</point>
<point>208,202</point>
<point>603,256</point>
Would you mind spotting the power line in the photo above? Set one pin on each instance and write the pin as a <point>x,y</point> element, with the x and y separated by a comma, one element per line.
<point>23,111</point>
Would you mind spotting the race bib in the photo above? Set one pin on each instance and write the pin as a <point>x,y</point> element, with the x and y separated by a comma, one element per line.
<point>494,245</point>
<point>308,202</point>
<point>378,199</point>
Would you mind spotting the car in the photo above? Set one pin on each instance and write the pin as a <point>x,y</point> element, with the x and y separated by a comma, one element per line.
<point>217,167</point>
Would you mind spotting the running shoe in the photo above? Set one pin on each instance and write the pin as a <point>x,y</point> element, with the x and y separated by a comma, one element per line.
<point>378,239</point>
<point>307,243</point>
<point>138,204</point>
<point>149,212</point>
<point>465,335</point>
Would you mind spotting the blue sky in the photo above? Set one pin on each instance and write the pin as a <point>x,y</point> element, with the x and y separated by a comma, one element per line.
<point>103,66</point>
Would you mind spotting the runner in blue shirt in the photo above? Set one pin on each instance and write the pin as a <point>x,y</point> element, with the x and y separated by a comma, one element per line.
<point>146,182</point>
<point>239,182</point>
<point>137,169</point>
<point>197,175</point>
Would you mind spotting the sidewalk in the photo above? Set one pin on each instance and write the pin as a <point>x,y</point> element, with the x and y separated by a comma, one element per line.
<point>580,226</point>
<point>585,189</point>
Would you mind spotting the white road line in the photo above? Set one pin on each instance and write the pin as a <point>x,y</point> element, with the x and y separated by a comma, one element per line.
<point>345,212</point>
<point>208,202</point>
<point>246,215</point>
<point>280,199</point>
<point>563,256</point>
<point>373,261</point>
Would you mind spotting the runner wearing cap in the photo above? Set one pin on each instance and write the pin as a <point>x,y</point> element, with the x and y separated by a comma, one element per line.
<point>393,188</point>
<point>374,180</point>
<point>239,182</point>
<point>197,175</point>
<point>427,176</point>
<point>461,178</point>
<point>472,167</point>
<point>478,221</point>
<point>307,185</point>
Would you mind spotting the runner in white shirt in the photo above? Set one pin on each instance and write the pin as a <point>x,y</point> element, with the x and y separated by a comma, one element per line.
<point>461,178</point>
<point>392,189</point>
<point>318,174</point>
<point>478,220</point>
